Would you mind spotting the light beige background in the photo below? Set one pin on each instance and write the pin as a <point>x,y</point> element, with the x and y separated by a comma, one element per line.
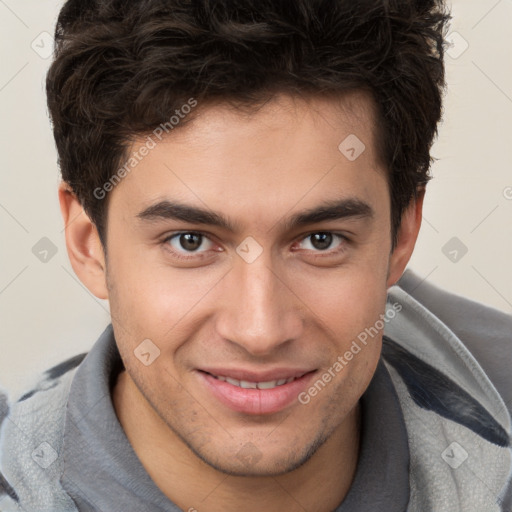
<point>47,315</point>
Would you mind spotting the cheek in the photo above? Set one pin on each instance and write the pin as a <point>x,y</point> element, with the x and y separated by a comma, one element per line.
<point>345,300</point>
<point>347,304</point>
<point>150,298</point>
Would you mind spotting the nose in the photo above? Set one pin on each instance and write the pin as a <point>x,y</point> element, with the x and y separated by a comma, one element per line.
<point>258,311</point>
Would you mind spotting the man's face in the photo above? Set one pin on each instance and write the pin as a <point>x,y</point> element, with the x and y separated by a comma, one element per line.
<point>263,298</point>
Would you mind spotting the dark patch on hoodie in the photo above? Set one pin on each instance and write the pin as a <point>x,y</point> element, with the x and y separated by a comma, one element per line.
<point>60,369</point>
<point>432,390</point>
<point>53,374</point>
<point>6,489</point>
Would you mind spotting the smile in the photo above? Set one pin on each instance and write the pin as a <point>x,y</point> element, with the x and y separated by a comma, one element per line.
<point>270,384</point>
<point>255,394</point>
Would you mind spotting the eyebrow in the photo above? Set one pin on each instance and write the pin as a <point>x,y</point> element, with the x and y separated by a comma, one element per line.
<point>327,211</point>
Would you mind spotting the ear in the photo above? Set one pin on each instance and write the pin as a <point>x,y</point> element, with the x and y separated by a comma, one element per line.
<point>406,238</point>
<point>83,244</point>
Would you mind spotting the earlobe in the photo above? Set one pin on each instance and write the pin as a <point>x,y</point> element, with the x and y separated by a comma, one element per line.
<point>406,239</point>
<point>83,244</point>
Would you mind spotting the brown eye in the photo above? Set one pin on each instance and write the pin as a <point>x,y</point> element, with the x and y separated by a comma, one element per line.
<point>321,241</point>
<point>189,242</point>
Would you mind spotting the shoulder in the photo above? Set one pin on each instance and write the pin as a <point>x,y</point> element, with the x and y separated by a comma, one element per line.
<point>31,429</point>
<point>485,331</point>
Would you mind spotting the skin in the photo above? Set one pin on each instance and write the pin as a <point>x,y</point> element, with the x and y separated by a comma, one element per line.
<point>294,305</point>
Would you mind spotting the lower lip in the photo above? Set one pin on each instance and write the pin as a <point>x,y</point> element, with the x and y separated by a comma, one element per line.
<point>256,401</point>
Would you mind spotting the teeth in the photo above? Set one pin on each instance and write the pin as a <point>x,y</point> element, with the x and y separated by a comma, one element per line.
<point>254,385</point>
<point>267,385</point>
<point>248,385</point>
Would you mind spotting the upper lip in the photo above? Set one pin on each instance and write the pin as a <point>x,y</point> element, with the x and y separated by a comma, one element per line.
<point>257,376</point>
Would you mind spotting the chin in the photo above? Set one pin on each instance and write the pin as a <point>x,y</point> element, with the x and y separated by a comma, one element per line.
<point>253,460</point>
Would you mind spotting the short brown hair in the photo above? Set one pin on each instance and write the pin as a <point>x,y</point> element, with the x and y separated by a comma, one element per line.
<point>122,68</point>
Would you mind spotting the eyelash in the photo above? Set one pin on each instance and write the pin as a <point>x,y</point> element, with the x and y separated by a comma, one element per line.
<point>328,252</point>
<point>193,255</point>
<point>179,255</point>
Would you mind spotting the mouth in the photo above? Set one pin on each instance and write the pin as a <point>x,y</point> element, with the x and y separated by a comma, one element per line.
<point>245,384</point>
<point>250,393</point>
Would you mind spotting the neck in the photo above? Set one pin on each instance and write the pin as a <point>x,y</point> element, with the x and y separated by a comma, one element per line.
<point>320,484</point>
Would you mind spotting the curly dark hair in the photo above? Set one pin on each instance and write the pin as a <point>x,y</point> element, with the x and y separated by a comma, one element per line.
<point>122,68</point>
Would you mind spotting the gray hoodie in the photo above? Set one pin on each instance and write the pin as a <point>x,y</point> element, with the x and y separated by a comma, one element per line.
<point>435,435</point>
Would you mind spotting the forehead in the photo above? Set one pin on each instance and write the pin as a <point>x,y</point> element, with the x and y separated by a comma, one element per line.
<point>290,115</point>
<point>290,150</point>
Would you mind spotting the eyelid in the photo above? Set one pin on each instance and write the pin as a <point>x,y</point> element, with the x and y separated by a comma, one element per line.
<point>185,255</point>
<point>173,234</point>
<point>188,255</point>
<point>342,238</point>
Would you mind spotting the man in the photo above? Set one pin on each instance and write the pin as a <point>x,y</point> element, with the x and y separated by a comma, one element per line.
<point>243,181</point>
